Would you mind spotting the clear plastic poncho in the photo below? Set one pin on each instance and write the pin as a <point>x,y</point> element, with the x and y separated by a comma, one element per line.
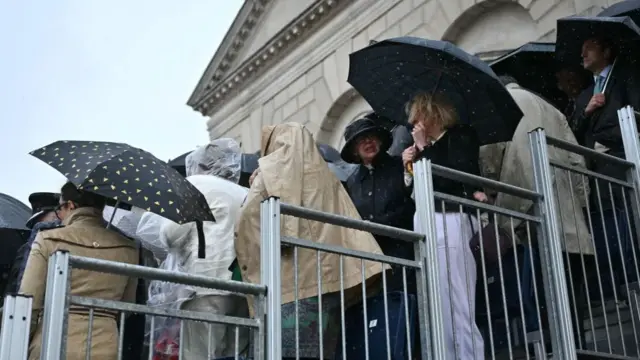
<point>221,157</point>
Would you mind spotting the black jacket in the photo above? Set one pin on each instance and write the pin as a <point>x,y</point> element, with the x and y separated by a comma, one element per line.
<point>458,149</point>
<point>380,196</point>
<point>603,127</point>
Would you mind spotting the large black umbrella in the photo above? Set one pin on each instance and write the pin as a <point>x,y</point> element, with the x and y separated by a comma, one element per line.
<point>630,8</point>
<point>389,73</point>
<point>128,175</point>
<point>13,213</point>
<point>573,31</point>
<point>534,65</point>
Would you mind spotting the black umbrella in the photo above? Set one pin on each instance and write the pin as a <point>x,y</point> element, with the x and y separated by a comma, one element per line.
<point>128,175</point>
<point>573,31</point>
<point>248,164</point>
<point>389,73</point>
<point>329,153</point>
<point>534,65</point>
<point>630,8</point>
<point>13,213</point>
<point>179,163</point>
<point>342,169</point>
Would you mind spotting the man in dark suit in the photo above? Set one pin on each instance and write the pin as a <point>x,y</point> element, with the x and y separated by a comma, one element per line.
<point>597,127</point>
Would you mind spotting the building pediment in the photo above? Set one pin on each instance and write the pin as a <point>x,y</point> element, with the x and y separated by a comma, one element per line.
<point>263,31</point>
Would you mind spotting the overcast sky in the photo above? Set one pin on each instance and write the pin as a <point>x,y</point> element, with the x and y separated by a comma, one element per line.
<point>101,70</point>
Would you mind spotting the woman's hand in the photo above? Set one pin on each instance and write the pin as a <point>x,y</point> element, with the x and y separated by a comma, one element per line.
<point>480,196</point>
<point>253,176</point>
<point>408,155</point>
<point>420,137</point>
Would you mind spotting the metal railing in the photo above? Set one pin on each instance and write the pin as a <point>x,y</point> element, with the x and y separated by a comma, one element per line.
<point>271,243</point>
<point>16,322</point>
<point>58,301</point>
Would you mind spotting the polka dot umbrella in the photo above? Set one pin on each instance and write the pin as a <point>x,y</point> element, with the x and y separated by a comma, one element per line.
<point>128,175</point>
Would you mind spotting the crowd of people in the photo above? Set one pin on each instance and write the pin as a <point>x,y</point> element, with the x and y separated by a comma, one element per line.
<point>380,190</point>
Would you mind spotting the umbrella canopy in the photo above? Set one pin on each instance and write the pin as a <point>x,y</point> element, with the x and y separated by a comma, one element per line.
<point>248,164</point>
<point>573,31</point>
<point>13,213</point>
<point>534,65</point>
<point>389,73</point>
<point>630,8</point>
<point>179,163</point>
<point>341,169</point>
<point>128,175</point>
<point>329,154</point>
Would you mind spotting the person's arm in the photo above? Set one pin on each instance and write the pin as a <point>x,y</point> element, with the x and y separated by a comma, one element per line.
<point>464,155</point>
<point>34,278</point>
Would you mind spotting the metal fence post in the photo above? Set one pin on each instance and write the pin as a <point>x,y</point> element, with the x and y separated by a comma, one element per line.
<point>270,274</point>
<point>16,322</point>
<point>629,132</point>
<point>556,293</point>
<point>54,326</point>
<point>426,224</point>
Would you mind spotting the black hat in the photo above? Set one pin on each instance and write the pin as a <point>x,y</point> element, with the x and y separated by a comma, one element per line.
<point>360,127</point>
<point>41,203</point>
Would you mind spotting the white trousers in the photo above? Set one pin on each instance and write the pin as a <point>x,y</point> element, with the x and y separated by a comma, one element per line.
<point>457,277</point>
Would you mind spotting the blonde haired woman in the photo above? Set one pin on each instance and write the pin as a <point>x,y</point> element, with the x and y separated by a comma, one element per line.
<point>439,137</point>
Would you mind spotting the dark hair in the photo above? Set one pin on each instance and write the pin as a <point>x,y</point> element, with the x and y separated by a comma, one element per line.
<point>607,44</point>
<point>507,79</point>
<point>81,198</point>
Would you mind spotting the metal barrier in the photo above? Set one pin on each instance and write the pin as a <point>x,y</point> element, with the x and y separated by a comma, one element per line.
<point>58,301</point>
<point>271,211</point>
<point>508,306</point>
<point>435,292</point>
<point>16,322</point>
<point>592,290</point>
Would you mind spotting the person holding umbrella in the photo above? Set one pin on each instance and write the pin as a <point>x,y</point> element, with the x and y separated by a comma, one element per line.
<point>438,137</point>
<point>616,84</point>
<point>454,99</point>
<point>84,234</point>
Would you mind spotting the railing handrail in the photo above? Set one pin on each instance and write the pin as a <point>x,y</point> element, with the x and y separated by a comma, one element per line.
<point>149,273</point>
<point>480,181</point>
<point>347,222</point>
<point>586,152</point>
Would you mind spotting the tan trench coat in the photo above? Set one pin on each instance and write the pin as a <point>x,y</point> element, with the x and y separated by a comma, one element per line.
<point>292,169</point>
<point>84,234</point>
<point>511,163</point>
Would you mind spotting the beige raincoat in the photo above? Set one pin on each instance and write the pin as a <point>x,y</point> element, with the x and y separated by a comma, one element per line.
<point>511,163</point>
<point>292,169</point>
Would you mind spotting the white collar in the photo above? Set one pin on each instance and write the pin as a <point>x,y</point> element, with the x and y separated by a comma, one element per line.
<point>604,73</point>
<point>439,137</point>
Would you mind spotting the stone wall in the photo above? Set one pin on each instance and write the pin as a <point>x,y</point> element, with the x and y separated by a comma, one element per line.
<point>309,84</point>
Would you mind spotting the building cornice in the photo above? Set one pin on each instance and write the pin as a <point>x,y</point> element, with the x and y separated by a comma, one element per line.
<point>240,30</point>
<point>216,86</point>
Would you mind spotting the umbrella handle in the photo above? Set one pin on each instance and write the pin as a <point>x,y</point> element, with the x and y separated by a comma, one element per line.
<point>606,82</point>
<point>201,242</point>
<point>113,214</point>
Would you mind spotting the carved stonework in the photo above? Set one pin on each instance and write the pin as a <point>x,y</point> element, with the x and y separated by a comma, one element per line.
<point>223,83</point>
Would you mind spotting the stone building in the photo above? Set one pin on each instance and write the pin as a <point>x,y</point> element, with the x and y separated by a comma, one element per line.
<point>287,60</point>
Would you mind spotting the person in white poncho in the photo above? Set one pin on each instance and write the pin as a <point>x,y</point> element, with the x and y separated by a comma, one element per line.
<point>215,171</point>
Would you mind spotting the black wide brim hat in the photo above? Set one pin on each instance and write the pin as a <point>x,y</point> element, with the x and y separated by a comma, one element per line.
<point>359,128</point>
